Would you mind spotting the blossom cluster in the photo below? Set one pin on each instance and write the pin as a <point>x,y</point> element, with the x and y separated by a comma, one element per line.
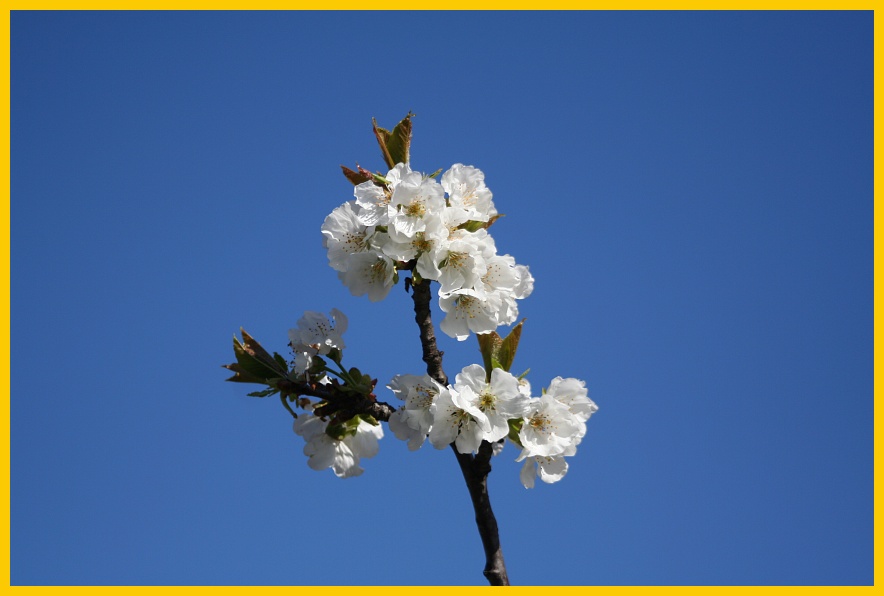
<point>475,409</point>
<point>340,445</point>
<point>437,229</point>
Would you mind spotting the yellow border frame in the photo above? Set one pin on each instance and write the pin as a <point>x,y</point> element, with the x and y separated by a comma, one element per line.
<point>400,5</point>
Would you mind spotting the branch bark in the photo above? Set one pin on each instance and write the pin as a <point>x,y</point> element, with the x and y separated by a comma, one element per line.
<point>475,469</point>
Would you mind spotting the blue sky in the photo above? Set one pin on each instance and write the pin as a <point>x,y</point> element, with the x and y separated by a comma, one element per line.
<point>692,192</point>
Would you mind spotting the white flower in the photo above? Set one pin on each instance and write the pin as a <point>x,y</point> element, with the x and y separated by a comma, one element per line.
<point>402,174</point>
<point>466,311</point>
<point>572,392</point>
<point>303,359</point>
<point>549,428</point>
<point>342,456</point>
<point>459,420</point>
<point>344,235</point>
<point>374,204</point>
<point>399,425</point>
<point>526,282</point>
<point>466,188</point>
<point>461,265</point>
<point>414,200</point>
<point>315,330</point>
<point>418,393</point>
<point>500,400</point>
<point>550,469</point>
<point>500,274</point>
<point>369,273</point>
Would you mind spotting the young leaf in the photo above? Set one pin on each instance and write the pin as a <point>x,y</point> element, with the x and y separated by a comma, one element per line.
<point>497,352</point>
<point>507,352</point>
<point>264,393</point>
<point>355,177</point>
<point>241,375</point>
<point>492,219</point>
<point>382,134</point>
<point>253,363</point>
<point>473,225</point>
<point>489,345</point>
<point>399,141</point>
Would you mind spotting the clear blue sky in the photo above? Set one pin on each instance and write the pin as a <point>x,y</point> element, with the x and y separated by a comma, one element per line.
<point>692,192</point>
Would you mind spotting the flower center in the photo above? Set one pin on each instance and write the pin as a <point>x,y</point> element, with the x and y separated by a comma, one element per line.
<point>487,400</point>
<point>354,243</point>
<point>378,270</point>
<point>424,397</point>
<point>540,423</point>
<point>421,244</point>
<point>416,208</point>
<point>456,259</point>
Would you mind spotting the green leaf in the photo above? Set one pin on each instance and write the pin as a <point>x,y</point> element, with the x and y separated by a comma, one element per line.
<point>489,344</point>
<point>281,361</point>
<point>317,366</point>
<point>436,173</point>
<point>497,352</point>
<point>399,141</point>
<point>241,375</point>
<point>472,225</point>
<point>265,393</point>
<point>507,352</point>
<point>370,419</point>
<point>515,426</point>
<point>253,363</point>
<point>340,430</point>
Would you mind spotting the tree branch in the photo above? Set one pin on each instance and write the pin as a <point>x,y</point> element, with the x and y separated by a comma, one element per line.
<point>420,293</point>
<point>337,402</point>
<point>475,469</point>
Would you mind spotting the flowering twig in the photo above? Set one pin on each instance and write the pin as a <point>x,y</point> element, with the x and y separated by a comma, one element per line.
<point>436,229</point>
<point>475,469</point>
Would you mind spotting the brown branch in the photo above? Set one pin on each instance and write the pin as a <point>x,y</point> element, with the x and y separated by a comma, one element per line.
<point>475,469</point>
<point>432,356</point>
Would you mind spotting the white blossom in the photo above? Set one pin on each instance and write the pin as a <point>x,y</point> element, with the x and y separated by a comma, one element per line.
<point>374,204</point>
<point>461,265</point>
<point>413,201</point>
<point>549,428</point>
<point>344,235</point>
<point>550,469</point>
<point>525,286</point>
<point>398,423</point>
<point>317,331</point>
<point>466,311</point>
<point>466,188</point>
<point>572,392</point>
<point>500,399</point>
<point>341,455</point>
<point>457,419</point>
<point>369,273</point>
<point>418,393</point>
